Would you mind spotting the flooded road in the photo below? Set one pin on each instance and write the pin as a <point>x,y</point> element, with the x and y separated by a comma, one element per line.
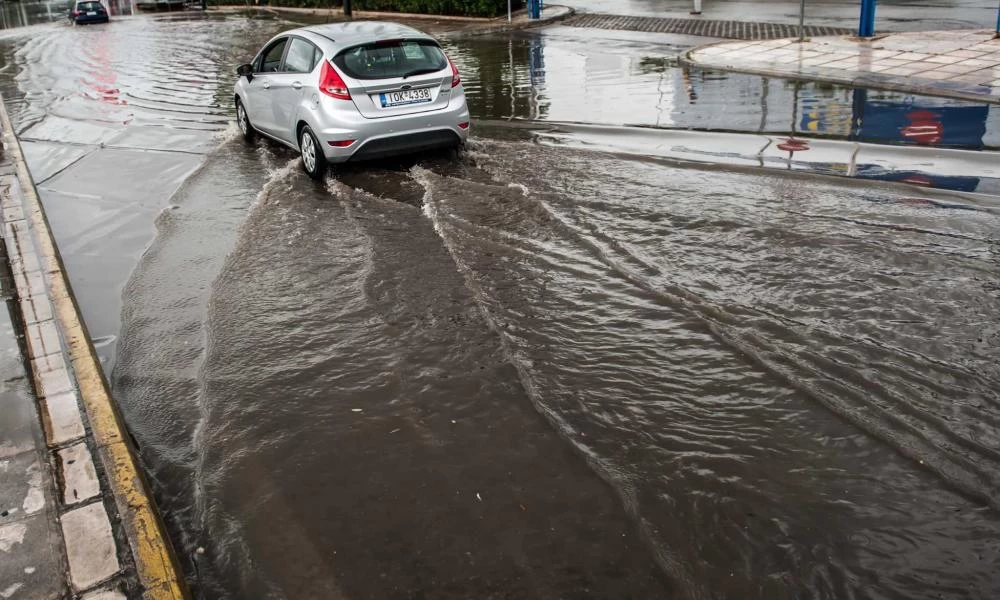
<point>535,370</point>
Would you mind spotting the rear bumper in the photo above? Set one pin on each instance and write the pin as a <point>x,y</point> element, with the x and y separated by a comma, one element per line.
<point>409,143</point>
<point>390,136</point>
<point>95,19</point>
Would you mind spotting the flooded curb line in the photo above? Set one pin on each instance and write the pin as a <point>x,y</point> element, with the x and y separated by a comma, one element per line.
<point>56,332</point>
<point>925,168</point>
<point>854,79</point>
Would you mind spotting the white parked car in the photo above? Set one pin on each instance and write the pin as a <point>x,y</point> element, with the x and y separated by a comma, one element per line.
<point>352,91</point>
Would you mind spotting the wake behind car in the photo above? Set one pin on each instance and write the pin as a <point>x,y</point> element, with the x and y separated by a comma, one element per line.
<point>88,11</point>
<point>352,91</point>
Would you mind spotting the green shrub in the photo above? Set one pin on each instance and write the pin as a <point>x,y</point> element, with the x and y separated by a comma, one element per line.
<point>463,8</point>
<point>466,8</point>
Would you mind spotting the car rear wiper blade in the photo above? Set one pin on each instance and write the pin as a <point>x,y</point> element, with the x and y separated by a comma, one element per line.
<point>420,72</point>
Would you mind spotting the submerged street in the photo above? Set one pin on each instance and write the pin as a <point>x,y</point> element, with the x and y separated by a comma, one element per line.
<point>609,350</point>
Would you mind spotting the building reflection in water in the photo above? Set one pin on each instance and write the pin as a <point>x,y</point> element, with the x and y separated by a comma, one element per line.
<point>24,13</point>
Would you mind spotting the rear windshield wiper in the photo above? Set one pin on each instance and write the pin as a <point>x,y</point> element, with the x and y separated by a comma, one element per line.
<point>423,71</point>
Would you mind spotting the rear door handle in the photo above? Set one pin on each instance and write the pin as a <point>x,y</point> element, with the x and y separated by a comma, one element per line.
<point>297,85</point>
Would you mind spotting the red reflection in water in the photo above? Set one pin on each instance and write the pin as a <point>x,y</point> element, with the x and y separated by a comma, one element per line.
<point>924,127</point>
<point>793,145</point>
<point>103,78</point>
<point>918,180</point>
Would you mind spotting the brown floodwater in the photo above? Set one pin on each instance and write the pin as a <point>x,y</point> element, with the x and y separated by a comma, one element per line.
<point>531,370</point>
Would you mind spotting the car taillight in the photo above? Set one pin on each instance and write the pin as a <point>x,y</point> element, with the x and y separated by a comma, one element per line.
<point>455,77</point>
<point>76,13</point>
<point>332,84</point>
<point>463,125</point>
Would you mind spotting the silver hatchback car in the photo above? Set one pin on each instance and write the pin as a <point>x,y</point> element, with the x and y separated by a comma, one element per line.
<point>352,91</point>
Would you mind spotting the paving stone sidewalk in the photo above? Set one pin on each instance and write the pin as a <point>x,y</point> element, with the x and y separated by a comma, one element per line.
<point>56,539</point>
<point>959,64</point>
<point>734,30</point>
<point>32,560</point>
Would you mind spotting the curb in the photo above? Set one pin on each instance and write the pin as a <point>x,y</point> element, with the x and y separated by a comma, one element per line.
<point>563,13</point>
<point>850,162</point>
<point>154,564</point>
<point>858,80</point>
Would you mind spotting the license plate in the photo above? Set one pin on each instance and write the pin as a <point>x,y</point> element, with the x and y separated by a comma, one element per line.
<point>91,13</point>
<point>387,99</point>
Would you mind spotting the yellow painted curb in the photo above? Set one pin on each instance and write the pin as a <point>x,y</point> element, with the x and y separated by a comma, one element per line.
<point>155,564</point>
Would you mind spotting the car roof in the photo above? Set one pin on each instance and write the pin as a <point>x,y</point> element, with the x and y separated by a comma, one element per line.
<point>337,36</point>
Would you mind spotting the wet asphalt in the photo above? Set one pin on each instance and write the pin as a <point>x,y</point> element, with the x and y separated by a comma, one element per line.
<point>532,370</point>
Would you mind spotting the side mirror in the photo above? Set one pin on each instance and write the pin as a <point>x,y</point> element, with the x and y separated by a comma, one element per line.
<point>245,71</point>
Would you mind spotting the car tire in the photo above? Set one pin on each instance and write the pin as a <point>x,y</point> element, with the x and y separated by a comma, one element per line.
<point>243,122</point>
<point>313,160</point>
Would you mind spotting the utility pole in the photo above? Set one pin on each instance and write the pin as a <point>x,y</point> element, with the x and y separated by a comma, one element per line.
<point>802,21</point>
<point>347,8</point>
<point>866,26</point>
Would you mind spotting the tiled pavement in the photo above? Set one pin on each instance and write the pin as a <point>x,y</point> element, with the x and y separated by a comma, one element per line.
<point>960,64</point>
<point>56,539</point>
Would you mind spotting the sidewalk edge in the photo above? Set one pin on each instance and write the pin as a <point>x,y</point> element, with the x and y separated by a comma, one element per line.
<point>156,565</point>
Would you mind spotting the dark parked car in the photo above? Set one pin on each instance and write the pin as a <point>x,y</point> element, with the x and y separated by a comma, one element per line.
<point>88,11</point>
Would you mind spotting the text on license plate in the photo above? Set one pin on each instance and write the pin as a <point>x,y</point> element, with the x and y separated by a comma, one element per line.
<point>404,97</point>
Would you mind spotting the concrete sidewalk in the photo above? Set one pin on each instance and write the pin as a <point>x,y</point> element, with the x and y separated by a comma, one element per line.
<point>56,536</point>
<point>32,557</point>
<point>961,64</point>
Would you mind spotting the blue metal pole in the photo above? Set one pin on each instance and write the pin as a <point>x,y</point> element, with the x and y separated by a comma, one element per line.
<point>998,22</point>
<point>866,27</point>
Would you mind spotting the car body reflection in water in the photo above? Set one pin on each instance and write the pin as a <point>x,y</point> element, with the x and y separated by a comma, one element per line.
<point>557,75</point>
<point>21,14</point>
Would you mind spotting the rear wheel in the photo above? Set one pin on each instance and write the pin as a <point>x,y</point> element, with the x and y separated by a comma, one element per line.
<point>243,121</point>
<point>313,160</point>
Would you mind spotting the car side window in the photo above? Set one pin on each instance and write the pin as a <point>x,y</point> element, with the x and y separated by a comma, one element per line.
<point>300,57</point>
<point>317,56</point>
<point>271,58</point>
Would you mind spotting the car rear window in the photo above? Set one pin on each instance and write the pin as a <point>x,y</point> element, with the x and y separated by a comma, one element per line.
<point>396,58</point>
<point>88,5</point>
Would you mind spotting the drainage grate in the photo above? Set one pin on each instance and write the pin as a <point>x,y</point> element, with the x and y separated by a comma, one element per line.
<point>735,30</point>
